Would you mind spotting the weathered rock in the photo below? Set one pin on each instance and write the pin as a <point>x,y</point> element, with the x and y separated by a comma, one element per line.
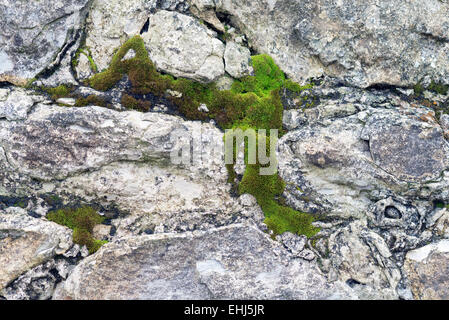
<point>427,271</point>
<point>237,60</point>
<point>33,33</point>
<point>26,242</point>
<point>183,47</point>
<point>235,262</point>
<point>359,255</point>
<point>83,69</point>
<point>123,159</point>
<point>204,9</point>
<point>110,24</point>
<point>15,103</point>
<point>39,282</point>
<point>389,42</point>
<point>334,151</point>
<point>411,150</point>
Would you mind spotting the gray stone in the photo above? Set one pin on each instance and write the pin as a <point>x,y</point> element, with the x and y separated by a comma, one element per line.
<point>66,101</point>
<point>109,25</point>
<point>411,150</point>
<point>389,42</point>
<point>26,242</point>
<point>15,105</point>
<point>427,271</point>
<point>83,69</point>
<point>235,262</point>
<point>39,282</point>
<point>294,243</point>
<point>183,47</point>
<point>237,60</point>
<point>33,33</point>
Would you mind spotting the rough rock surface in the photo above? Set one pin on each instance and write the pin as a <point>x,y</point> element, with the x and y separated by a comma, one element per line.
<point>237,60</point>
<point>235,262</point>
<point>26,242</point>
<point>180,45</point>
<point>111,23</point>
<point>373,157</point>
<point>364,152</point>
<point>122,159</point>
<point>16,103</point>
<point>427,271</point>
<point>32,34</point>
<point>363,43</point>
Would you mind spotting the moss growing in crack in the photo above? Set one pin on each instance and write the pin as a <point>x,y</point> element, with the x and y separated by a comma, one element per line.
<point>267,77</point>
<point>253,102</point>
<point>58,92</point>
<point>434,87</point>
<point>130,102</point>
<point>438,88</point>
<point>86,52</point>
<point>82,221</point>
<point>91,100</point>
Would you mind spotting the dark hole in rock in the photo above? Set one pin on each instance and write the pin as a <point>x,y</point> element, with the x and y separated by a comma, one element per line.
<point>145,27</point>
<point>392,213</point>
<point>352,283</point>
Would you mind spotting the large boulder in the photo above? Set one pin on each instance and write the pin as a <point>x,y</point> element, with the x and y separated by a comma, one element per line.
<point>387,42</point>
<point>125,160</point>
<point>33,33</point>
<point>234,262</point>
<point>182,46</point>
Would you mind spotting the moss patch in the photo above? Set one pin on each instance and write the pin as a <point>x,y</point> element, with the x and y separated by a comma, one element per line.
<point>253,102</point>
<point>58,92</point>
<point>91,100</point>
<point>434,87</point>
<point>82,221</point>
<point>130,102</point>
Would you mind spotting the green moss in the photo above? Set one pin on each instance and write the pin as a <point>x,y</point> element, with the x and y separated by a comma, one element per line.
<point>130,102</point>
<point>60,91</point>
<point>30,82</point>
<point>438,88</point>
<point>434,87</point>
<point>81,221</point>
<point>90,100</point>
<point>253,102</point>
<point>418,89</point>
<point>85,51</point>
<point>267,77</point>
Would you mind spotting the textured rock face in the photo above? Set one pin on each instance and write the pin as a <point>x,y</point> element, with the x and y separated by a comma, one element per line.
<point>392,42</point>
<point>180,45</point>
<point>373,152</point>
<point>16,103</point>
<point>373,157</point>
<point>124,159</point>
<point>237,60</point>
<point>55,142</point>
<point>427,270</point>
<point>366,155</point>
<point>111,23</point>
<point>26,242</point>
<point>236,262</point>
<point>33,33</point>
